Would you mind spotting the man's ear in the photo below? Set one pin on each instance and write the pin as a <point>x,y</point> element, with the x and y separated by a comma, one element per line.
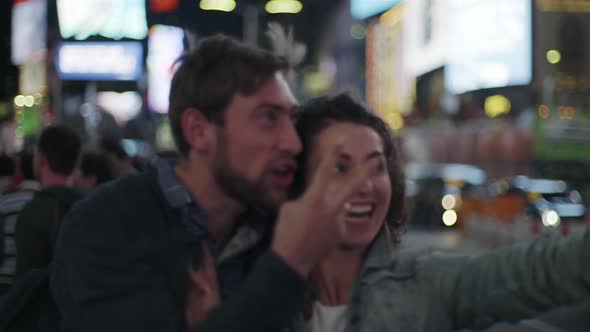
<point>196,129</point>
<point>90,181</point>
<point>42,160</point>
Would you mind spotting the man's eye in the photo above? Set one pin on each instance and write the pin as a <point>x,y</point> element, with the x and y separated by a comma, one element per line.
<point>294,116</point>
<point>341,168</point>
<point>272,116</point>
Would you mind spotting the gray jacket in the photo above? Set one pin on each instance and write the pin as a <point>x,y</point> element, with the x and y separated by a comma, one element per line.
<point>424,291</point>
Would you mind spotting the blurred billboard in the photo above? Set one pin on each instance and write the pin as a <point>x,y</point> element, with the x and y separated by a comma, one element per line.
<point>100,61</point>
<point>362,9</point>
<point>165,46</point>
<point>114,19</point>
<point>29,28</point>
<point>490,44</point>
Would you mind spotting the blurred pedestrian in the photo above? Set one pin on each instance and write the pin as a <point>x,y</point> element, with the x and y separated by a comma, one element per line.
<point>55,160</point>
<point>113,147</point>
<point>95,168</point>
<point>11,205</point>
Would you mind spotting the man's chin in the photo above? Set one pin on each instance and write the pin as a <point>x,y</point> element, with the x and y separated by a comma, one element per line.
<point>276,198</point>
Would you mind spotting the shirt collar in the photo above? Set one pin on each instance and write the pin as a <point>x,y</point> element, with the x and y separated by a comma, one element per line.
<point>176,193</point>
<point>249,233</point>
<point>381,252</point>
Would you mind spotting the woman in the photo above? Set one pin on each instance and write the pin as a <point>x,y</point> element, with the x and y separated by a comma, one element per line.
<point>367,284</point>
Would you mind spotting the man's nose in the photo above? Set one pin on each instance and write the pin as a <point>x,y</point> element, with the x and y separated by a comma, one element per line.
<point>289,140</point>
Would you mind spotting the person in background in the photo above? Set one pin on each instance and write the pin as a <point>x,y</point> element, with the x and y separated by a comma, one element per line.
<point>6,172</point>
<point>114,149</point>
<point>55,161</point>
<point>95,168</point>
<point>28,183</point>
<point>11,205</point>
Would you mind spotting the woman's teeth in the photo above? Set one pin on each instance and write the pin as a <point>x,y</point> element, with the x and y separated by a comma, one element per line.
<point>359,210</point>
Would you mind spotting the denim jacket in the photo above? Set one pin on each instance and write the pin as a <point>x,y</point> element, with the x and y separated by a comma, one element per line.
<point>408,290</point>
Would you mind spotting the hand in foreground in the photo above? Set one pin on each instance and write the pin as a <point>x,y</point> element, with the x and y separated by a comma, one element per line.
<point>203,290</point>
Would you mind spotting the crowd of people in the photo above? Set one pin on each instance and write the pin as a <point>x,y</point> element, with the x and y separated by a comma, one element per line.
<point>39,187</point>
<point>272,216</point>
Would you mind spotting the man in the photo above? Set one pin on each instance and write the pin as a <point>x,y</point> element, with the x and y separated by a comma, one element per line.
<point>55,160</point>
<point>113,148</point>
<point>148,252</point>
<point>95,168</point>
<point>11,205</point>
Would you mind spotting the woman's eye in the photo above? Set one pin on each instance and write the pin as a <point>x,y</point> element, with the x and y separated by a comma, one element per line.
<point>380,168</point>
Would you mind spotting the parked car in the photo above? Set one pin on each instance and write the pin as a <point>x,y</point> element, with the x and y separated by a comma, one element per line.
<point>549,204</point>
<point>437,192</point>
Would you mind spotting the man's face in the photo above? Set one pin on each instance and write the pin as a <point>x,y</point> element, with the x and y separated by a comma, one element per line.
<point>254,161</point>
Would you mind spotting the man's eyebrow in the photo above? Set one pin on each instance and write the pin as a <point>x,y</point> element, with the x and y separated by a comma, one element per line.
<point>273,106</point>
<point>344,156</point>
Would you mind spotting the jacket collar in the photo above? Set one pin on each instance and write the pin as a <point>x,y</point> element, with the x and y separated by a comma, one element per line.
<point>385,257</point>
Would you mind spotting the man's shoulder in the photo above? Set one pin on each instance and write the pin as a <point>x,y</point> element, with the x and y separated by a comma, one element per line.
<point>115,212</point>
<point>132,194</point>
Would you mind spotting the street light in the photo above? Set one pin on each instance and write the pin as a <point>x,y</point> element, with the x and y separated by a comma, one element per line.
<point>220,5</point>
<point>553,56</point>
<point>251,13</point>
<point>283,7</point>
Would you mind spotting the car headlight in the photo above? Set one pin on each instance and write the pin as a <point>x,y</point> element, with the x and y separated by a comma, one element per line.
<point>449,202</point>
<point>449,218</point>
<point>550,218</point>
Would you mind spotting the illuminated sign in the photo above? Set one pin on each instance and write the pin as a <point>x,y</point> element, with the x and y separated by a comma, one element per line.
<point>388,89</point>
<point>122,106</point>
<point>114,19</point>
<point>29,21</point>
<point>490,44</point>
<point>571,6</point>
<point>163,6</point>
<point>102,61</point>
<point>361,9</point>
<point>425,35</point>
<point>32,76</point>
<point>165,45</point>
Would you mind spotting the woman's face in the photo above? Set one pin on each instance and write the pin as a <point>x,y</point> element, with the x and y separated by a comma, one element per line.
<point>365,210</point>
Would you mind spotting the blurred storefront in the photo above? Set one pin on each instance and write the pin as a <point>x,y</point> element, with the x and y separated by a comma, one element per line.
<point>562,122</point>
<point>390,90</point>
<point>104,75</point>
<point>501,84</point>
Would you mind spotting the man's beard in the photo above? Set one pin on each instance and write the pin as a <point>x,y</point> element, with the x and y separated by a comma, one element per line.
<point>251,193</point>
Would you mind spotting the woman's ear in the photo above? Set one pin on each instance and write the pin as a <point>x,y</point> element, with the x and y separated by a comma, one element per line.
<point>196,129</point>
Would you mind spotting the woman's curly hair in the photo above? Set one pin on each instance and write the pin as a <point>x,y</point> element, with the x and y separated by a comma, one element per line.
<point>318,114</point>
